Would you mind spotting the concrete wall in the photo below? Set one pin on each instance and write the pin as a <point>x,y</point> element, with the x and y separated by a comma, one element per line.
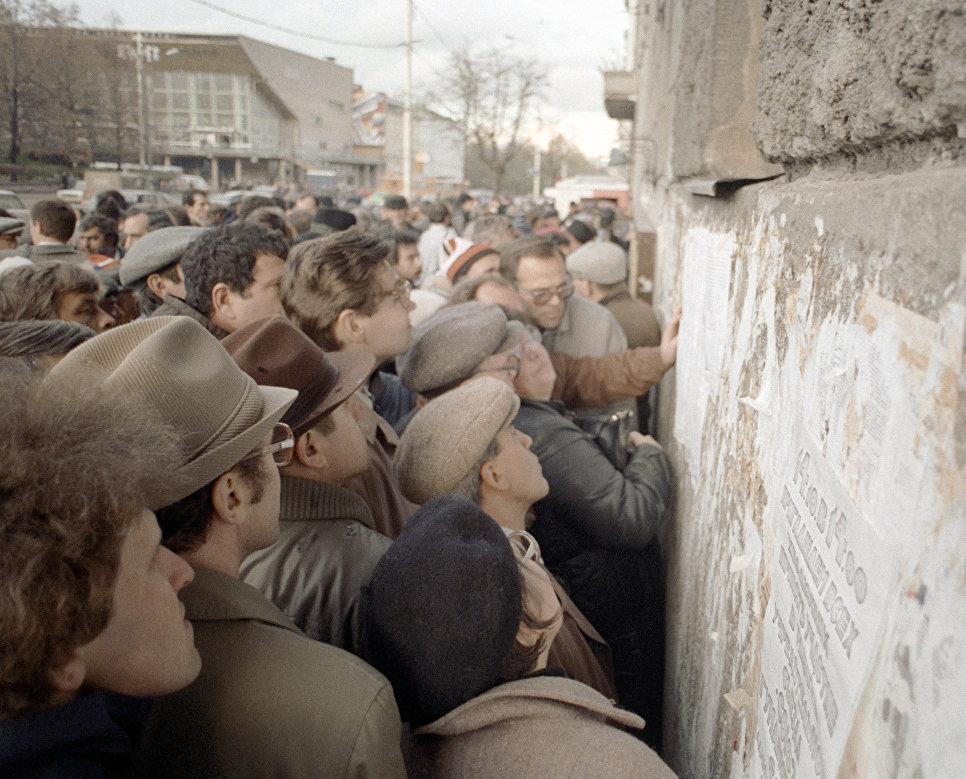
<point>817,562</point>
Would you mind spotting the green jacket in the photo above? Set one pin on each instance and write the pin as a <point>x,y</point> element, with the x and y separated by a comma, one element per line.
<point>269,702</point>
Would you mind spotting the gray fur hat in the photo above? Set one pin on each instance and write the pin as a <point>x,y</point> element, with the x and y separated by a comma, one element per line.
<point>448,437</point>
<point>450,344</point>
<point>602,263</point>
<point>156,251</point>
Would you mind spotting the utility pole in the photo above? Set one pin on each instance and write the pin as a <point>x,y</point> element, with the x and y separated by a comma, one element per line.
<point>408,107</point>
<point>142,98</point>
<point>537,159</point>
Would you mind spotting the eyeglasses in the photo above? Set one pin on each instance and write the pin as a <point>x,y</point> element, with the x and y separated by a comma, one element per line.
<point>399,292</point>
<point>543,296</point>
<point>281,448</point>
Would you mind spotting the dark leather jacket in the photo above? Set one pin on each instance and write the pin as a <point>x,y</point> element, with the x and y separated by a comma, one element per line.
<point>324,556</point>
<point>591,503</point>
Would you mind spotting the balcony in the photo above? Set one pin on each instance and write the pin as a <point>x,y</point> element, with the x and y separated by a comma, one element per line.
<point>620,93</point>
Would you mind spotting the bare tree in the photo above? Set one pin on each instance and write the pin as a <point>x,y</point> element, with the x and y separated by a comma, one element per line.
<point>492,95</point>
<point>30,72</point>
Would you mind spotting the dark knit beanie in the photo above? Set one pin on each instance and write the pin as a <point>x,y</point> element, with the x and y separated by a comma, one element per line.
<point>581,231</point>
<point>442,610</point>
<point>332,219</point>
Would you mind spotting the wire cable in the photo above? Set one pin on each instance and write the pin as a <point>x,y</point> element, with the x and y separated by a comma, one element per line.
<point>299,33</point>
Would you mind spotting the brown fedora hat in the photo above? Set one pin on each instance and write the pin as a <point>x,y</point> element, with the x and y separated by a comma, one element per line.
<point>176,367</point>
<point>273,351</point>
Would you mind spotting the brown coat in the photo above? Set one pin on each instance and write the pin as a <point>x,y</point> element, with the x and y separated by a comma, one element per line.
<point>579,649</point>
<point>270,702</point>
<point>596,381</point>
<point>536,727</point>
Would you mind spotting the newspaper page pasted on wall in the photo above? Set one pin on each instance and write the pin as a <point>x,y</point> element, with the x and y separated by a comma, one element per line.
<point>832,575</point>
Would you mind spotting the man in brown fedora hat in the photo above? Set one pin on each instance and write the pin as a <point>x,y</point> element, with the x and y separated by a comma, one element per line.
<point>328,546</point>
<point>269,701</point>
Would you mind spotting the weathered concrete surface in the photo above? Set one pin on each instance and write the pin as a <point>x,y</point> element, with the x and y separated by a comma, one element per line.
<point>840,76</point>
<point>694,114</point>
<point>845,309</point>
<point>816,417</point>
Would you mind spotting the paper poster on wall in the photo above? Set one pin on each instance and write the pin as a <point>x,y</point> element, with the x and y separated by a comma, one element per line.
<point>831,578</point>
<point>705,282</point>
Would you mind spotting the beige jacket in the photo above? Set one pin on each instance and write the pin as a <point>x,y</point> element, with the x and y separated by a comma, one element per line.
<point>543,726</point>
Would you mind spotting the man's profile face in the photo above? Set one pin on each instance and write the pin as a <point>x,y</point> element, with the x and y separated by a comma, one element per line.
<point>395,216</point>
<point>408,264</point>
<point>82,307</point>
<point>536,275</point>
<point>261,299</point>
<point>199,209</point>
<point>147,648</point>
<point>388,331</point>
<point>134,229</point>
<point>92,241</point>
<point>520,465</point>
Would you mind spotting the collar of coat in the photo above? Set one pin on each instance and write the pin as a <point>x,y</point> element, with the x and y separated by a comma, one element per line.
<point>304,499</point>
<point>215,596</point>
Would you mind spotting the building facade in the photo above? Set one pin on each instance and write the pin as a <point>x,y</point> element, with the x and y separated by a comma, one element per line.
<point>802,167</point>
<point>230,108</point>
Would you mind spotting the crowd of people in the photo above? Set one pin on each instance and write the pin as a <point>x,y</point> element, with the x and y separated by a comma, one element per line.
<point>313,489</point>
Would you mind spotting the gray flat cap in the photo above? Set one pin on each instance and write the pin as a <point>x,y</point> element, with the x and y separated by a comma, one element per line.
<point>601,263</point>
<point>9,225</point>
<point>451,344</point>
<point>156,251</point>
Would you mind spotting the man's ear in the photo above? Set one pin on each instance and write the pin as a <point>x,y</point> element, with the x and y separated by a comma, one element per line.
<point>348,328</point>
<point>493,477</point>
<point>66,679</point>
<point>228,497</point>
<point>221,303</point>
<point>155,283</point>
<point>309,452</point>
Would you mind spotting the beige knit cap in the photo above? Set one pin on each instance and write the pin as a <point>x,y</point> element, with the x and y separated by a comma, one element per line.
<point>449,436</point>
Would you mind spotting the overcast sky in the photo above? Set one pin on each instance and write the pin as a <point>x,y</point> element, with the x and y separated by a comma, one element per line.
<point>574,38</point>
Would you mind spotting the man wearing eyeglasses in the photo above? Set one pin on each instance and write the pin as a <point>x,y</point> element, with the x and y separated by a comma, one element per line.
<point>342,292</point>
<point>569,324</point>
<point>269,701</point>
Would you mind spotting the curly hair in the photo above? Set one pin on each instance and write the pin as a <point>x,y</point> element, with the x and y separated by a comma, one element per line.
<point>328,275</point>
<point>226,255</point>
<point>35,291</point>
<point>74,468</point>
